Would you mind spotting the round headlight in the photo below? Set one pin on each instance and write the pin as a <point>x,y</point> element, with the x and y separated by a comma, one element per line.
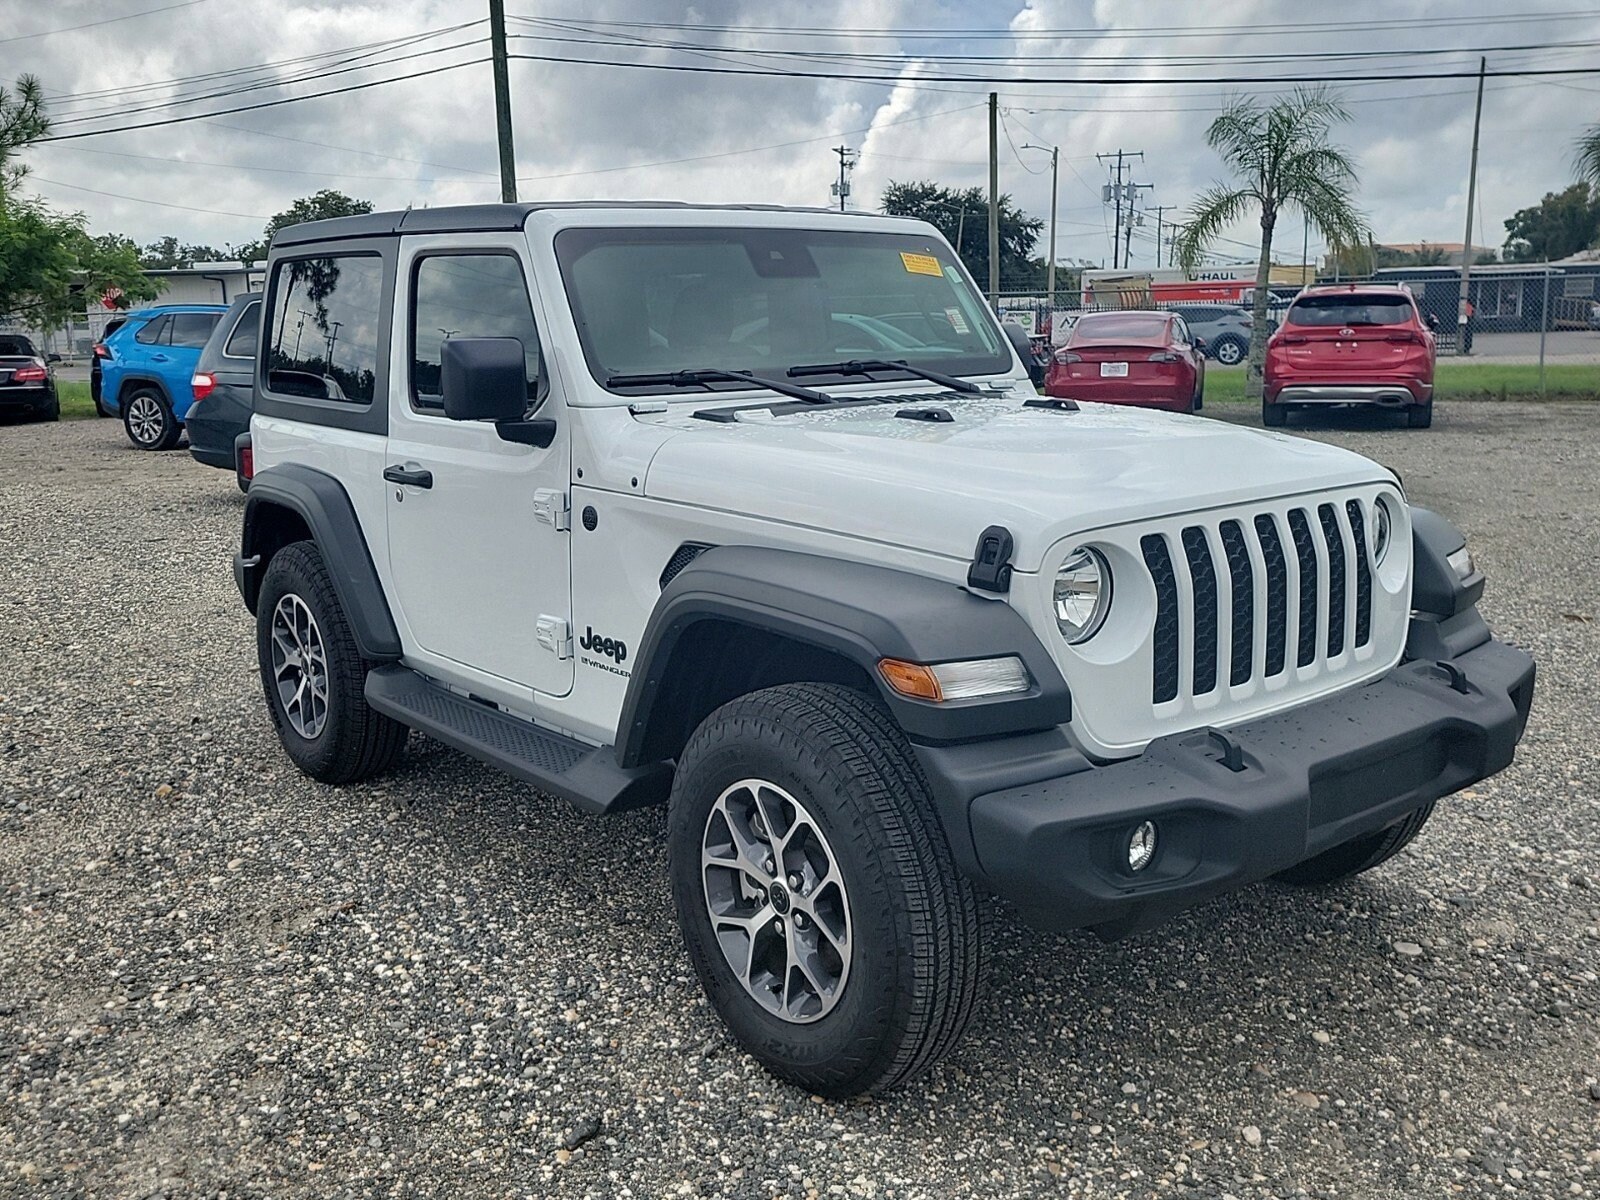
<point>1082,594</point>
<point>1382,527</point>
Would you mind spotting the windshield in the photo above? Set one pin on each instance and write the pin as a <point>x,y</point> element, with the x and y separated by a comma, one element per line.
<point>655,301</point>
<point>1353,309</point>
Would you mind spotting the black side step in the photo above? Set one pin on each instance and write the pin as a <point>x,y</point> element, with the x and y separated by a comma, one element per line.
<point>586,776</point>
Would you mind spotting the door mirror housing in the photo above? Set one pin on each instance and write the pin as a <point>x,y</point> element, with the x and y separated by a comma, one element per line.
<point>484,379</point>
<point>1023,344</point>
<point>1200,344</point>
<point>52,358</point>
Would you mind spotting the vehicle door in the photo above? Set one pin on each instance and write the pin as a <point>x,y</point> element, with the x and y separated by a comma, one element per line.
<point>478,548</point>
<point>185,335</point>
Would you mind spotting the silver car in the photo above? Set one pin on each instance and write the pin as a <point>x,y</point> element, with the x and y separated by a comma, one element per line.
<point>1225,329</point>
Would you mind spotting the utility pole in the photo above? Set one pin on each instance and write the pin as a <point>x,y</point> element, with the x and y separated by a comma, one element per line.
<point>502,101</point>
<point>1117,193</point>
<point>1161,211</point>
<point>1133,194</point>
<point>994,198</point>
<point>1050,269</point>
<point>847,162</point>
<point>1472,194</point>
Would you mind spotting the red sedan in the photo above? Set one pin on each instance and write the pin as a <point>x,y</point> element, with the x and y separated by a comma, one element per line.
<point>1133,357</point>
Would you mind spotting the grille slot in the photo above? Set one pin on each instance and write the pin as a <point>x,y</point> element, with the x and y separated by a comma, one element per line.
<point>1306,554</point>
<point>1242,577</point>
<point>1158,560</point>
<point>1277,593</point>
<point>1203,577</point>
<point>1358,530</point>
<point>1334,540</point>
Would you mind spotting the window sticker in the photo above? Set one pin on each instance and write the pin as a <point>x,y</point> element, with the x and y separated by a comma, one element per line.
<point>922,264</point>
<point>957,321</point>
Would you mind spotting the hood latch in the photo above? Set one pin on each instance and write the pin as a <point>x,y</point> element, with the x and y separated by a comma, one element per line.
<point>991,561</point>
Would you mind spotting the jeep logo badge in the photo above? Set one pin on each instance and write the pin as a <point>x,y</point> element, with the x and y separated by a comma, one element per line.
<point>616,651</point>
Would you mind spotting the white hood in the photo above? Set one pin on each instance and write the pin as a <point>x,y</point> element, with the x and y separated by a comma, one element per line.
<point>1043,474</point>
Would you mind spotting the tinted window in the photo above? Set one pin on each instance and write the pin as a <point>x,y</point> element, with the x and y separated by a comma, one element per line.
<point>242,341</point>
<point>1353,309</point>
<point>16,346</point>
<point>1102,327</point>
<point>467,295</point>
<point>152,332</point>
<point>323,340</point>
<point>191,329</point>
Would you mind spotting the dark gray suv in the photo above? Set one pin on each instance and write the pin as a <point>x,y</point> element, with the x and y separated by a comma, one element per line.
<point>1224,328</point>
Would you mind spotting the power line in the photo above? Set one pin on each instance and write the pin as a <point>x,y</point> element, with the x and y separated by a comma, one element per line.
<point>216,212</point>
<point>25,37</point>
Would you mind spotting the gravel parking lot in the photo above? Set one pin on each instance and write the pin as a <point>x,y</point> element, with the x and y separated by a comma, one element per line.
<point>218,978</point>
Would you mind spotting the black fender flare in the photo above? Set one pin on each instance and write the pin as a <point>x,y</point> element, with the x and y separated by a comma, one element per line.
<point>321,502</point>
<point>860,612</point>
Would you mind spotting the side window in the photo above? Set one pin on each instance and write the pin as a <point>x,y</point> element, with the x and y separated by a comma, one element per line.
<point>191,330</point>
<point>152,333</point>
<point>242,341</point>
<point>467,295</point>
<point>1180,331</point>
<point>322,340</point>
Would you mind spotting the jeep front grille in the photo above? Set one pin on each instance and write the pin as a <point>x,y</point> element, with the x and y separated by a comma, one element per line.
<point>1208,584</point>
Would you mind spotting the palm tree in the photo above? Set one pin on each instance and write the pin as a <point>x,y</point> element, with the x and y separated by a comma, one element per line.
<point>1282,158</point>
<point>1588,155</point>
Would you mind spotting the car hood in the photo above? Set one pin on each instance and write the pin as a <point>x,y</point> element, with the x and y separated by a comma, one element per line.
<point>1044,474</point>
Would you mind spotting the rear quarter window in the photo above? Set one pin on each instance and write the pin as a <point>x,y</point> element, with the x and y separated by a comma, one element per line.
<point>152,332</point>
<point>246,331</point>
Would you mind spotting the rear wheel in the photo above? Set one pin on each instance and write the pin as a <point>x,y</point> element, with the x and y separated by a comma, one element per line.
<point>1359,854</point>
<point>52,410</point>
<point>817,896</point>
<point>314,676</point>
<point>1274,416</point>
<point>1229,352</point>
<point>148,420</point>
<point>1420,416</point>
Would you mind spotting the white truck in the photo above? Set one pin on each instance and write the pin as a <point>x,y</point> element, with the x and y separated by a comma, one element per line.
<point>753,512</point>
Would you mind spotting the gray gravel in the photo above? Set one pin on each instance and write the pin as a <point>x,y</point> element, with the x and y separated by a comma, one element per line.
<point>217,977</point>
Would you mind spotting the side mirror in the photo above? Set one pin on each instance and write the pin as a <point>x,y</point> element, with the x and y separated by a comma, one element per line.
<point>52,358</point>
<point>485,379</point>
<point>1200,344</point>
<point>1023,345</point>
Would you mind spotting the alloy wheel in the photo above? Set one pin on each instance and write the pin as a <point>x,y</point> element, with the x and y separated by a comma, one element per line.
<point>777,900</point>
<point>299,667</point>
<point>145,420</point>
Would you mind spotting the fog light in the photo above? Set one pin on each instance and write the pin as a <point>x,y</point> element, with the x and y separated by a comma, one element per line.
<point>1142,846</point>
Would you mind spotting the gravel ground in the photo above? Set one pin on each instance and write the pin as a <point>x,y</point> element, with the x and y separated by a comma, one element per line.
<point>218,978</point>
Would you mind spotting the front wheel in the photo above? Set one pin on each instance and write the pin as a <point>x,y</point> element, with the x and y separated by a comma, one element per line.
<point>1274,416</point>
<point>314,676</point>
<point>147,418</point>
<point>1358,854</point>
<point>817,895</point>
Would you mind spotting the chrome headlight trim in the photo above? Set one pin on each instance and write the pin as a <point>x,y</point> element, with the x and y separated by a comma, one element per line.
<point>1080,595</point>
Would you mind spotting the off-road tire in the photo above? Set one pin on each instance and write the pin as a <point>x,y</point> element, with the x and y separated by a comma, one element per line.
<point>1358,854</point>
<point>170,430</point>
<point>917,927</point>
<point>356,742</point>
<point>1420,416</point>
<point>1274,416</point>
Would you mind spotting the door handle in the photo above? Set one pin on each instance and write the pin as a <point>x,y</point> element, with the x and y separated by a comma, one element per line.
<point>158,358</point>
<point>411,475</point>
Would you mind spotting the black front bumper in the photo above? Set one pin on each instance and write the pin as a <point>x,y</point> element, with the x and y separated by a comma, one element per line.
<point>1230,807</point>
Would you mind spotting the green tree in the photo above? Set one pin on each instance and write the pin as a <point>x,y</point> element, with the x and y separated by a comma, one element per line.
<point>325,204</point>
<point>1588,155</point>
<point>22,121</point>
<point>962,215</point>
<point>166,253</point>
<point>1561,224</point>
<point>1282,158</point>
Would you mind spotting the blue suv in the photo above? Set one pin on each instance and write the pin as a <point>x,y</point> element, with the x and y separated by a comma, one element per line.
<point>147,369</point>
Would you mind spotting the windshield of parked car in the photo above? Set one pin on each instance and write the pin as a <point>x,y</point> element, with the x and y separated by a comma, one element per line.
<point>1351,309</point>
<point>655,301</point>
<point>16,347</point>
<point>1119,326</point>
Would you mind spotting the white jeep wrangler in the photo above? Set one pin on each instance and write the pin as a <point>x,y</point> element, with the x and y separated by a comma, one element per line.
<point>754,512</point>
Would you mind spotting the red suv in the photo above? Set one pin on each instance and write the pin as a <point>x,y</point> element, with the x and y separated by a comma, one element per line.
<point>1351,344</point>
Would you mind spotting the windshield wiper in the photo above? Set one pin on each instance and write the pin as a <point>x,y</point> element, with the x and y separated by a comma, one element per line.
<point>865,366</point>
<point>704,376</point>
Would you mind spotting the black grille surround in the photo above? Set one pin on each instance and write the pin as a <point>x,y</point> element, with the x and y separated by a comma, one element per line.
<point>1252,547</point>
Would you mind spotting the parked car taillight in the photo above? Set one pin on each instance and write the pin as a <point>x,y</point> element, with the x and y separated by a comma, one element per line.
<point>1166,356</point>
<point>1405,335</point>
<point>203,383</point>
<point>29,375</point>
<point>1065,357</point>
<point>101,350</point>
<point>247,462</point>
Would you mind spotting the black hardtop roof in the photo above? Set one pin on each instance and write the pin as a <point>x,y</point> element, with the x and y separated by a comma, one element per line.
<point>482,218</point>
